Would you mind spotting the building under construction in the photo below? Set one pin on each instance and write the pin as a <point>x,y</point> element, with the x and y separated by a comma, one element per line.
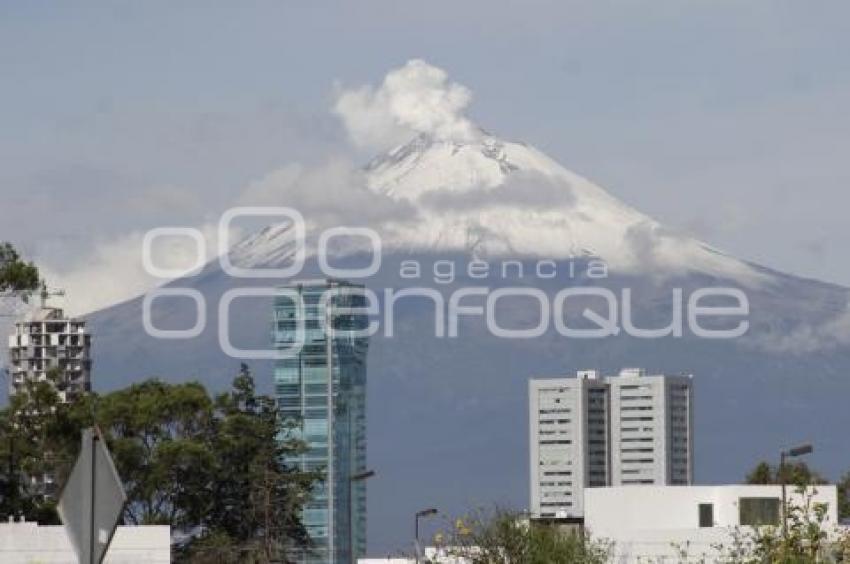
<point>47,343</point>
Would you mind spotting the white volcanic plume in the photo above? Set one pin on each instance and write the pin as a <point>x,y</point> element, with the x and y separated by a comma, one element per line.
<point>416,98</point>
<point>475,192</point>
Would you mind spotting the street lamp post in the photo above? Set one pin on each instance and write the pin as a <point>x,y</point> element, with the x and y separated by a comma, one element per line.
<point>419,515</point>
<point>791,453</point>
<point>355,478</point>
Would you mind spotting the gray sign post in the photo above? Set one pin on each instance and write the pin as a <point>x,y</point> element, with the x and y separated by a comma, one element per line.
<point>92,500</point>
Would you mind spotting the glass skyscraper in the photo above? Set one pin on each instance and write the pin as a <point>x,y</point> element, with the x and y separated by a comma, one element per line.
<point>321,388</point>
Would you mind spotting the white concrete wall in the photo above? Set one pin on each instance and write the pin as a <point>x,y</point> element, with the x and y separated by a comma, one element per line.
<point>432,554</point>
<point>646,521</point>
<point>28,543</point>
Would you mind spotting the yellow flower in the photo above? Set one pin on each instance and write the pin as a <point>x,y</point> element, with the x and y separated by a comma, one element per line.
<point>462,529</point>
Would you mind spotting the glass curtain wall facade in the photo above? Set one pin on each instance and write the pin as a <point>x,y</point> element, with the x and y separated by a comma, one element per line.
<point>321,389</point>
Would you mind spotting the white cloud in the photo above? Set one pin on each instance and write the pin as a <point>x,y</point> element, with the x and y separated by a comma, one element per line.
<point>808,337</point>
<point>415,98</point>
<point>331,193</point>
<point>110,273</point>
<point>113,271</point>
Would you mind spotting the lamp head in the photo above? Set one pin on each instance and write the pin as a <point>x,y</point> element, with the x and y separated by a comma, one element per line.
<point>801,450</point>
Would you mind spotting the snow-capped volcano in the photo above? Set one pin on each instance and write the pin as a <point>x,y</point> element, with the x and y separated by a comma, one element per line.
<point>447,414</point>
<point>450,186</point>
<point>494,197</point>
<point>424,165</point>
<point>448,200</point>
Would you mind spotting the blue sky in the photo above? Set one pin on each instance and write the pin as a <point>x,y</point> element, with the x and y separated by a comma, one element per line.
<point>725,119</point>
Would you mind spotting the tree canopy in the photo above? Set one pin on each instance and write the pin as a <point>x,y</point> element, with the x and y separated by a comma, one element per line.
<point>16,275</point>
<point>213,468</point>
<point>794,472</point>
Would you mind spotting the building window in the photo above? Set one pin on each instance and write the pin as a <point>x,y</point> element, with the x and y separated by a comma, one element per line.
<point>757,511</point>
<point>706,514</point>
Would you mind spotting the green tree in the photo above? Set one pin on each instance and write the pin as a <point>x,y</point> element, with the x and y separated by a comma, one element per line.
<point>258,498</point>
<point>16,276</point>
<point>761,474</point>
<point>37,443</point>
<point>212,469</point>
<point>843,486</point>
<point>505,537</point>
<point>159,437</point>
<point>795,473</point>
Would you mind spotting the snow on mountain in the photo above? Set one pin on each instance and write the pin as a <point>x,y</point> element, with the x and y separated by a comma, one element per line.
<point>494,197</point>
<point>270,246</point>
<point>488,197</point>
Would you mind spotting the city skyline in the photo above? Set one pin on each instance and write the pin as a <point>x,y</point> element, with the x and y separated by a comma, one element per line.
<point>490,195</point>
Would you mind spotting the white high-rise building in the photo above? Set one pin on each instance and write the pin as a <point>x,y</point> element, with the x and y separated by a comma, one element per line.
<point>651,429</point>
<point>569,442</point>
<point>48,340</point>
<point>592,431</point>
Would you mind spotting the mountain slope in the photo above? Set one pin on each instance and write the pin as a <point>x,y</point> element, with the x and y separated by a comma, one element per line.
<point>503,198</point>
<point>447,416</point>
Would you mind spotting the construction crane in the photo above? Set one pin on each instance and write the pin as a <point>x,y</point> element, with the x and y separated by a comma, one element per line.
<point>47,293</point>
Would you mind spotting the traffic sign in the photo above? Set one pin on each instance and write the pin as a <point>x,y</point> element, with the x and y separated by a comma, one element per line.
<point>92,500</point>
